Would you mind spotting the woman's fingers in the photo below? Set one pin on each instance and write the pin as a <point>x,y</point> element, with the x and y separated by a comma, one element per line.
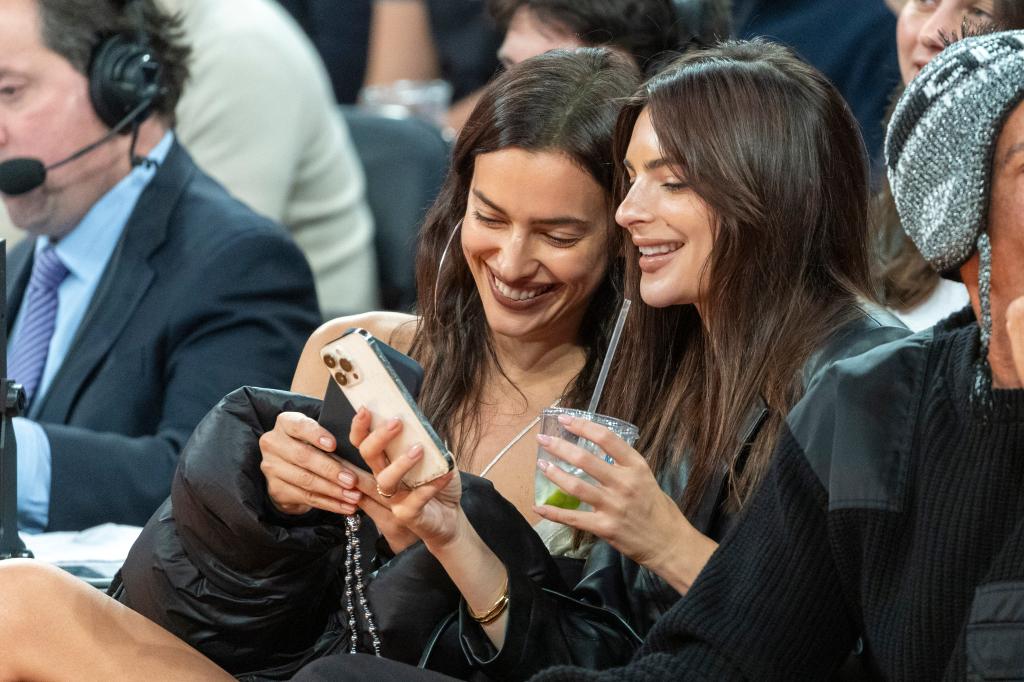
<point>616,448</point>
<point>372,447</point>
<point>600,470</point>
<point>359,429</point>
<point>583,520</point>
<point>301,427</point>
<point>389,479</point>
<point>280,471</point>
<point>413,502</point>
<point>287,495</point>
<point>573,485</point>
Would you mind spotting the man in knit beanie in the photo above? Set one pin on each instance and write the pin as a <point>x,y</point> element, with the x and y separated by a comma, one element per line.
<point>891,523</point>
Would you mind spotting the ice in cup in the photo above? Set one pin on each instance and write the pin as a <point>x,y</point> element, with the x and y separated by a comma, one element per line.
<point>546,492</point>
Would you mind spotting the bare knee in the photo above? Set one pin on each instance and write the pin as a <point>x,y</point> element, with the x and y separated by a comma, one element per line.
<point>30,592</point>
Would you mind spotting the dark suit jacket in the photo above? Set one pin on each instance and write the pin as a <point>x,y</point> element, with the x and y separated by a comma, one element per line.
<point>201,296</point>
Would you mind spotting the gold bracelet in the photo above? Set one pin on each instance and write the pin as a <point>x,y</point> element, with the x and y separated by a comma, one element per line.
<point>495,611</point>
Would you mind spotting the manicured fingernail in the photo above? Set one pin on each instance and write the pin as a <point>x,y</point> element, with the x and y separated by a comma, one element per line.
<point>416,451</point>
<point>326,443</point>
<point>346,478</point>
<point>351,495</point>
<point>543,464</point>
<point>564,419</point>
<point>543,439</point>
<point>394,423</point>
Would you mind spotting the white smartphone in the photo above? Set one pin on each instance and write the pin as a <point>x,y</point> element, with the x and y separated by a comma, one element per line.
<point>357,363</point>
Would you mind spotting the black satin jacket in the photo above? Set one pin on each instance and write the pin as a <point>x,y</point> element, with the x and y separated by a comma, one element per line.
<point>546,628</point>
<point>259,592</point>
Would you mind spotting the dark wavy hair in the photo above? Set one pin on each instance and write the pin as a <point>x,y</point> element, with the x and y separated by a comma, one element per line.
<point>772,149</point>
<point>650,30</point>
<point>75,28</point>
<point>565,101</point>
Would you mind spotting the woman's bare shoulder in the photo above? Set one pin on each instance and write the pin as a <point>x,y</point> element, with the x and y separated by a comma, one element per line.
<point>395,329</point>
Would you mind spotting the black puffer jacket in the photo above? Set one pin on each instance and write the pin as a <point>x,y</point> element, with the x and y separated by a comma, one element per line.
<point>259,592</point>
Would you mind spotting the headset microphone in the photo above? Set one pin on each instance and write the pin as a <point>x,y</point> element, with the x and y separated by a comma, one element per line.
<point>22,175</point>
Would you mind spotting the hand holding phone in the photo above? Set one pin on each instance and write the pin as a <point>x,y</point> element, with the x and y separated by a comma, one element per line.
<point>359,366</point>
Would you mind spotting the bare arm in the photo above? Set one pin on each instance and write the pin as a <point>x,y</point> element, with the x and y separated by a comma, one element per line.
<point>395,329</point>
<point>401,45</point>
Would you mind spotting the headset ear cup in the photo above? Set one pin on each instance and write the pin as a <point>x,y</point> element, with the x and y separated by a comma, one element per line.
<point>122,76</point>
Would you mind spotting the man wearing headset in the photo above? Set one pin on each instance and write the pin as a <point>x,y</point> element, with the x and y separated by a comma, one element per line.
<point>144,291</point>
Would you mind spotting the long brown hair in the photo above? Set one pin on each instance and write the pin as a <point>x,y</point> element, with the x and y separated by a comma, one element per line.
<point>564,101</point>
<point>772,149</point>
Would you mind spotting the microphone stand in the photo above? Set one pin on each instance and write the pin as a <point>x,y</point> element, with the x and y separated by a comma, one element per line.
<point>12,403</point>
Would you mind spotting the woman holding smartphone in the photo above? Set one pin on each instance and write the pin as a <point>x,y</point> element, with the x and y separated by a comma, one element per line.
<point>519,273</point>
<point>744,193</point>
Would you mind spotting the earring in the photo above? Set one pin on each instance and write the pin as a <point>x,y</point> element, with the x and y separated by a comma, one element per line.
<point>444,255</point>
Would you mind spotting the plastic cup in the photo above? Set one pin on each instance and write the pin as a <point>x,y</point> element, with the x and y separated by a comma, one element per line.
<point>428,100</point>
<point>546,492</point>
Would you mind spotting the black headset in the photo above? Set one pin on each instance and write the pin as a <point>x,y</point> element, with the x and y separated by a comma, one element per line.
<point>124,74</point>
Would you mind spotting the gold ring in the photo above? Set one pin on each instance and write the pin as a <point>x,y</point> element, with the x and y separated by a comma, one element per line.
<point>384,494</point>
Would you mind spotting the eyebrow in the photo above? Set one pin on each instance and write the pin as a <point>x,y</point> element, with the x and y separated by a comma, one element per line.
<point>1011,152</point>
<point>652,165</point>
<point>558,220</point>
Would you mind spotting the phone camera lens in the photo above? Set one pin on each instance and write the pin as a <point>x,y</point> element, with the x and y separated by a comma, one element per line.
<point>341,378</point>
<point>329,361</point>
<point>346,364</point>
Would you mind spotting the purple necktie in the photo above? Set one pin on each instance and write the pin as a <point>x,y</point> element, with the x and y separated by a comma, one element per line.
<point>29,348</point>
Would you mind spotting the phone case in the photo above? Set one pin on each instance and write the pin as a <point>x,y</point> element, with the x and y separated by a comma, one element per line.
<point>336,414</point>
<point>359,367</point>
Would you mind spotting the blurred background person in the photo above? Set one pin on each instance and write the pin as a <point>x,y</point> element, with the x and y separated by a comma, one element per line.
<point>853,43</point>
<point>260,117</point>
<point>424,40</point>
<point>910,287</point>
<point>341,33</point>
<point>143,292</point>
<point>649,31</point>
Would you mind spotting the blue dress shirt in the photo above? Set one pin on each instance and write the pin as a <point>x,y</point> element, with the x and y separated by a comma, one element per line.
<point>85,251</point>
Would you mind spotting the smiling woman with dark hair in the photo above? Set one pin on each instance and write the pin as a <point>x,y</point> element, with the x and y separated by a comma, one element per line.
<point>744,190</point>
<point>519,273</point>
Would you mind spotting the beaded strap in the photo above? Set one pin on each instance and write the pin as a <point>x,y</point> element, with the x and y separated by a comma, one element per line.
<point>355,589</point>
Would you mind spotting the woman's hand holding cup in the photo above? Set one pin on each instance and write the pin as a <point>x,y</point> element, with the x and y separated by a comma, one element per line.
<point>630,510</point>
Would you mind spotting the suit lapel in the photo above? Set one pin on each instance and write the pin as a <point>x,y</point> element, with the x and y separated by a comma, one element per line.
<point>124,284</point>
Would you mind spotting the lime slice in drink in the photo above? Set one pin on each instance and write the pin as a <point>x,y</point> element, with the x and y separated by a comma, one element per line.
<point>562,500</point>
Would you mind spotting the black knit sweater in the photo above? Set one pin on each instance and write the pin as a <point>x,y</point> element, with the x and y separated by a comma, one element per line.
<point>893,514</point>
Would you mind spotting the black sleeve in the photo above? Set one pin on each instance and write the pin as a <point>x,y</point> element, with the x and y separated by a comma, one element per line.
<point>220,568</point>
<point>551,625</point>
<point>247,313</point>
<point>768,606</point>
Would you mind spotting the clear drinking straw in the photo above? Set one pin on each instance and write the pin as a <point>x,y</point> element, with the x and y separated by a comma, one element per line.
<point>606,365</point>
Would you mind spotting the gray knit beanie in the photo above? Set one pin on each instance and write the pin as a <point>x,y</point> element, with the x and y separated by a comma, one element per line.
<point>939,150</point>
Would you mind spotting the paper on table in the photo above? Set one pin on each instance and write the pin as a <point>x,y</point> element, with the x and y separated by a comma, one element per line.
<point>109,542</point>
